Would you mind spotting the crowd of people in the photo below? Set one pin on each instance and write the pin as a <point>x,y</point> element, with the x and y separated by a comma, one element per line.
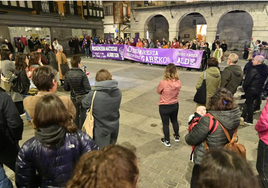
<point>60,154</point>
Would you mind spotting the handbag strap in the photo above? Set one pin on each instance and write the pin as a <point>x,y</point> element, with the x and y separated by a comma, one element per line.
<point>92,101</point>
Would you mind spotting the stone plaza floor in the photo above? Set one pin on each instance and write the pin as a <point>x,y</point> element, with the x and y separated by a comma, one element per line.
<point>141,127</point>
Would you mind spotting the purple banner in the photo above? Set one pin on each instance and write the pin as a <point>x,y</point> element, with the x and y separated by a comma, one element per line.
<point>180,57</point>
<point>108,51</point>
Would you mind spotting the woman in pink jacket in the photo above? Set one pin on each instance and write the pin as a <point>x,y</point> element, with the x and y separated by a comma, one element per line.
<point>262,158</point>
<point>169,89</point>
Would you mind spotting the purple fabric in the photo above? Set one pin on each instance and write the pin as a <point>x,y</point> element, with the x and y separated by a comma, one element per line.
<point>180,57</point>
<point>136,37</point>
<point>108,38</point>
<point>84,41</point>
<point>108,51</point>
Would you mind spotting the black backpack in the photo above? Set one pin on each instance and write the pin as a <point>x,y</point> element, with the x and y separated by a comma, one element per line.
<point>17,85</point>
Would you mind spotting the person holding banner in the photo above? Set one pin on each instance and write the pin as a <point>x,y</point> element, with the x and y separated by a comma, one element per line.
<point>175,43</point>
<point>169,89</point>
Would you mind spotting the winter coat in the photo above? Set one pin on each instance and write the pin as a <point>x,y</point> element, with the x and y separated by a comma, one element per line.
<point>255,79</point>
<point>219,54</point>
<point>87,44</point>
<point>79,81</point>
<point>213,82</point>
<point>61,59</point>
<point>229,119</point>
<point>53,158</point>
<point>175,45</point>
<point>139,44</point>
<point>51,57</point>
<point>169,91</point>
<point>106,105</point>
<point>151,45</point>
<point>231,77</point>
<point>11,124</point>
<point>224,47</point>
<point>30,102</point>
<point>4,181</point>
<point>262,125</point>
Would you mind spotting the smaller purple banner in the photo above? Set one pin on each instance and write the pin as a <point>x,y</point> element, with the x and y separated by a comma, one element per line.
<point>108,51</point>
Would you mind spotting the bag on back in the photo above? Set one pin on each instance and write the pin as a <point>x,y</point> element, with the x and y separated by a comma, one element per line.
<point>232,143</point>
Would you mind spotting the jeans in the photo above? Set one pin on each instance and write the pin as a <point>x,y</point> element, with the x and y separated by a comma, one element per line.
<point>27,115</point>
<point>262,163</point>
<point>87,52</point>
<point>80,114</point>
<point>248,108</point>
<point>195,176</point>
<point>169,112</point>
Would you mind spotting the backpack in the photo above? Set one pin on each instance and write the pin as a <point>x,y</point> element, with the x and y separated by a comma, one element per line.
<point>232,142</point>
<point>17,85</point>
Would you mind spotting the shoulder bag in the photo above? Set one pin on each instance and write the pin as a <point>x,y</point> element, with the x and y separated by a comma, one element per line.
<point>201,93</point>
<point>88,125</point>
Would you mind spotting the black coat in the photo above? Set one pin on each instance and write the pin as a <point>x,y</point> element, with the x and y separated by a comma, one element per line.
<point>77,79</point>
<point>30,44</point>
<point>224,47</point>
<point>11,124</point>
<point>255,79</point>
<point>24,79</point>
<point>51,58</point>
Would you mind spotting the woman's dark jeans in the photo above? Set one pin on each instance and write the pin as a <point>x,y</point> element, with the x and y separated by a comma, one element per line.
<point>262,163</point>
<point>169,112</point>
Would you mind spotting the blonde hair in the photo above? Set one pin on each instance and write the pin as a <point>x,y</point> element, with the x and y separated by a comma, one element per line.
<point>171,72</point>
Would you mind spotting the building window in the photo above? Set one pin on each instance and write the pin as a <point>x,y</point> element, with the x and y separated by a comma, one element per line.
<point>45,6</point>
<point>85,12</point>
<point>29,4</point>
<point>71,6</point>
<point>22,4</point>
<point>94,12</point>
<point>13,3</point>
<point>56,7</point>
<point>84,3</point>
<point>108,10</point>
<point>90,12</point>
<point>98,13</point>
<point>4,3</point>
<point>101,13</point>
<point>100,3</point>
<point>124,11</point>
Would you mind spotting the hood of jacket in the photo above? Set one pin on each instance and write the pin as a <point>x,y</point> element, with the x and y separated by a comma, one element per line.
<point>262,69</point>
<point>51,136</point>
<point>106,85</point>
<point>229,119</point>
<point>213,71</point>
<point>236,70</point>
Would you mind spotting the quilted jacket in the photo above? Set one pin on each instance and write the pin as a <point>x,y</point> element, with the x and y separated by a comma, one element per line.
<point>55,166</point>
<point>229,119</point>
<point>262,125</point>
<point>79,81</point>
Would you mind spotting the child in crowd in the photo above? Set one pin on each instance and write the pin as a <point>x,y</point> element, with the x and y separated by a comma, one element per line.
<point>193,121</point>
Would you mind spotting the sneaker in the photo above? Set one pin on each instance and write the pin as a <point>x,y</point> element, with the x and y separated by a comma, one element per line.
<point>167,143</point>
<point>176,138</point>
<point>249,123</point>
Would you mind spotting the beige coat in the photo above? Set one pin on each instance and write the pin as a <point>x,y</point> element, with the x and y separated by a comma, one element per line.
<point>30,102</point>
<point>61,59</point>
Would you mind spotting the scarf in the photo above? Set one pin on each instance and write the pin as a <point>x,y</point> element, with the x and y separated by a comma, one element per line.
<point>216,53</point>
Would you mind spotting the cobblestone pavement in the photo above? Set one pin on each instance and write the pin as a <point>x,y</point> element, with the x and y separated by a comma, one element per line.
<point>140,124</point>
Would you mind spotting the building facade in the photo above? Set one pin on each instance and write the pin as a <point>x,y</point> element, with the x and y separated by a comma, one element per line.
<point>233,21</point>
<point>116,19</point>
<point>51,19</point>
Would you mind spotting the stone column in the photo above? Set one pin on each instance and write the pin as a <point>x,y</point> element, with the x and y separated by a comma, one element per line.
<point>173,33</point>
<point>211,34</point>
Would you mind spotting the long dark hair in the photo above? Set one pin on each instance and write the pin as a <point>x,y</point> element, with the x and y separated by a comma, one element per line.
<point>47,49</point>
<point>34,58</point>
<point>43,116</point>
<point>221,168</point>
<point>222,100</point>
<point>20,63</point>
